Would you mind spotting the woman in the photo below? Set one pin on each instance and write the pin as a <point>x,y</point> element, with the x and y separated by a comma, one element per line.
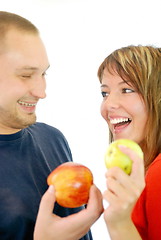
<point>130,80</point>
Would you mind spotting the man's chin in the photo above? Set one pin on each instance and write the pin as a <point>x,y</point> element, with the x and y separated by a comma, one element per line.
<point>29,123</point>
<point>26,122</point>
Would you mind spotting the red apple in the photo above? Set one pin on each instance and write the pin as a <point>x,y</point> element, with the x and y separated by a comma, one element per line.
<point>72,182</point>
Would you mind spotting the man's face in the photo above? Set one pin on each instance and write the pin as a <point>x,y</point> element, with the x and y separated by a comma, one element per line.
<point>23,63</point>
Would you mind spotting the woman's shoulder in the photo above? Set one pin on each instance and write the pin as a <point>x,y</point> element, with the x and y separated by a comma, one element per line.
<point>154,170</point>
<point>156,162</point>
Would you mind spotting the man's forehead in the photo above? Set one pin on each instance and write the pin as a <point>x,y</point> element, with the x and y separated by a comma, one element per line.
<point>27,49</point>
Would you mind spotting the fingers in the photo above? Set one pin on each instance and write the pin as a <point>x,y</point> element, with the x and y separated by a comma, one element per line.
<point>95,203</point>
<point>75,226</point>
<point>83,220</point>
<point>138,163</point>
<point>44,217</point>
<point>94,207</point>
<point>109,195</point>
<point>137,166</point>
<point>125,190</point>
<point>122,187</point>
<point>47,202</point>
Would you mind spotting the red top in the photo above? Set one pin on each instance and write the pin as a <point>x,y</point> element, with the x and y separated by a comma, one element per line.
<point>147,212</point>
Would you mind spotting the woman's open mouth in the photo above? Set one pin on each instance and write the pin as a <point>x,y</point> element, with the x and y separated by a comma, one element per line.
<point>120,123</point>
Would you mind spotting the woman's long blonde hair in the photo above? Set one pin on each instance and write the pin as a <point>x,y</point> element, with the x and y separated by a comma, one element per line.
<point>142,66</point>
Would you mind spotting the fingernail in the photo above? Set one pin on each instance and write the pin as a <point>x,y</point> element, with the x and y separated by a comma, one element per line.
<point>51,189</point>
<point>122,146</point>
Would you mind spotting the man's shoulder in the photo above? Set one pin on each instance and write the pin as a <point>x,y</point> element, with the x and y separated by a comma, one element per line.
<point>40,128</point>
<point>44,134</point>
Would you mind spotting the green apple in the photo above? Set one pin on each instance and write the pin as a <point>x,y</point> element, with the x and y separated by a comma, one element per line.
<point>114,157</point>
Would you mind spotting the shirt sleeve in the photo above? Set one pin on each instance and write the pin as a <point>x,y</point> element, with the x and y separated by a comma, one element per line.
<point>153,199</point>
<point>147,212</point>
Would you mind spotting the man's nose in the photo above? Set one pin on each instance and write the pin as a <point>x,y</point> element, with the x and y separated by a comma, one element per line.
<point>38,88</point>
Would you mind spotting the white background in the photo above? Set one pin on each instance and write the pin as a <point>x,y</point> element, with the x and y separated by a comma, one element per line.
<point>78,35</point>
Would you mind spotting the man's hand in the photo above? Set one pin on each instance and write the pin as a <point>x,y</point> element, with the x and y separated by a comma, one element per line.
<point>52,227</point>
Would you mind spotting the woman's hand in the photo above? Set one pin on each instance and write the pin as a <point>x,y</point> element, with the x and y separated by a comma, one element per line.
<point>122,193</point>
<point>52,227</point>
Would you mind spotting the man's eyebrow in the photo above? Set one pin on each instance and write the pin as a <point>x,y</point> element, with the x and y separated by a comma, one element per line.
<point>29,68</point>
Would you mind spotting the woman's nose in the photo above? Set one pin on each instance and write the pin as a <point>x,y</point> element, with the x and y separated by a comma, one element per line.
<point>109,105</point>
<point>111,102</point>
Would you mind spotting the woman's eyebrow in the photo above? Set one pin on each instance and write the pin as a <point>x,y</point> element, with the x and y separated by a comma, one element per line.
<point>103,85</point>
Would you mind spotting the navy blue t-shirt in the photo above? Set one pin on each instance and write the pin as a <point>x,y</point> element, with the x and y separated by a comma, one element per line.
<point>26,159</point>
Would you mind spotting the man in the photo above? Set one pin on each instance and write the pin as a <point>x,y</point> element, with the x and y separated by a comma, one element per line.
<point>29,151</point>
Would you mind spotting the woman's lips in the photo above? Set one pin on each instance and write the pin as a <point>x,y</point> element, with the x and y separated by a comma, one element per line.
<point>120,126</point>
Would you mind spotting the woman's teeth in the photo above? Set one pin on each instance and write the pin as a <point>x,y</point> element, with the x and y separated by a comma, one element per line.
<point>119,120</point>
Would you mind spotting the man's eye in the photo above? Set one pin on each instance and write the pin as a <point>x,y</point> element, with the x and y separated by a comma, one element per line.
<point>44,74</point>
<point>127,90</point>
<point>26,76</point>
<point>104,94</point>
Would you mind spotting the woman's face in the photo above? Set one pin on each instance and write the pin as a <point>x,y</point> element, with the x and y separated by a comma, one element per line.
<point>123,108</point>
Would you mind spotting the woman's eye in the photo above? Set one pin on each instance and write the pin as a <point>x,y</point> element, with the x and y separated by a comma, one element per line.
<point>104,94</point>
<point>127,90</point>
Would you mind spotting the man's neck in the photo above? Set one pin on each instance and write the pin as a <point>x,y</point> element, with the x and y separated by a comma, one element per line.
<point>7,131</point>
